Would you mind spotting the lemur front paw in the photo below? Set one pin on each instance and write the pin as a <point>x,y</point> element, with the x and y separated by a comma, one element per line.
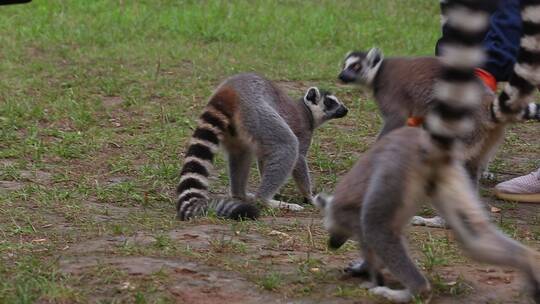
<point>393,295</point>
<point>283,205</point>
<point>434,222</point>
<point>360,268</point>
<point>357,268</point>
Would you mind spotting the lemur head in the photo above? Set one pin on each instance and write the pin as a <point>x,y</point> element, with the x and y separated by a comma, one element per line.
<point>339,234</point>
<point>323,106</point>
<point>361,67</point>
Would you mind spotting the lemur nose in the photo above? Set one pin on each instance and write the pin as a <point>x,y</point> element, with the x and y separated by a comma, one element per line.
<point>346,77</point>
<point>341,112</point>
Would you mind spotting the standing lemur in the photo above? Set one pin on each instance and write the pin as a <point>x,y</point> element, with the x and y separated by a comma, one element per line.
<point>403,90</point>
<point>250,116</point>
<point>402,87</point>
<point>376,199</point>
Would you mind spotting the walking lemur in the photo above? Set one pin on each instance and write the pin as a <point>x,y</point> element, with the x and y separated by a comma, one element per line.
<point>250,116</point>
<point>376,199</point>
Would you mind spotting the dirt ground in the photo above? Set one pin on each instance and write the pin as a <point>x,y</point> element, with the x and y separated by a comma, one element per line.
<point>113,247</point>
<point>233,263</point>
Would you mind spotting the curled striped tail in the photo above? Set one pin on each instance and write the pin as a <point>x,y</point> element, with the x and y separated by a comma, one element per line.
<point>192,191</point>
<point>234,209</point>
<point>514,102</point>
<point>457,93</point>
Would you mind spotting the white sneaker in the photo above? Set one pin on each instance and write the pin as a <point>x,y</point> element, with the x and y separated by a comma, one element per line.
<point>525,188</point>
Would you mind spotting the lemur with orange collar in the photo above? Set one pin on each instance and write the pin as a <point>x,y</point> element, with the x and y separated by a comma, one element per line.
<point>403,90</point>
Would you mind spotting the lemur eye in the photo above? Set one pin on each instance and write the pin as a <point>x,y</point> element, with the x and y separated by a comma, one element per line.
<point>330,103</point>
<point>356,66</point>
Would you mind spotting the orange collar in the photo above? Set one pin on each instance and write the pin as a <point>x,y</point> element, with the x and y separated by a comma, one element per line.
<point>486,77</point>
<point>415,121</point>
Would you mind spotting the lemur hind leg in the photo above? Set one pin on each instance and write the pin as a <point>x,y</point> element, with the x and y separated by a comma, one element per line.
<point>302,179</point>
<point>456,200</point>
<point>279,151</point>
<point>260,165</point>
<point>382,230</point>
<point>369,268</point>
<point>239,166</point>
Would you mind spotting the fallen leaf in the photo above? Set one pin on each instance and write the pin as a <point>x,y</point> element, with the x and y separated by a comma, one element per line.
<point>127,285</point>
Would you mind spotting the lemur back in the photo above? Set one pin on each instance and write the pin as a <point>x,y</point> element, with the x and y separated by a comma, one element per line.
<point>250,116</point>
<point>376,199</point>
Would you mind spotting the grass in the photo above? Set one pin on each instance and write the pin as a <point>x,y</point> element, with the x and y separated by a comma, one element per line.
<point>97,101</point>
<point>271,281</point>
<point>434,252</point>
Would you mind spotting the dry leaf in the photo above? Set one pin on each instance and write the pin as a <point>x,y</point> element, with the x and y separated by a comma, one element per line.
<point>495,209</point>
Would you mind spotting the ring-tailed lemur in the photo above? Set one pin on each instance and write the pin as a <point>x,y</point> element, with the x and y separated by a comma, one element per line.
<point>403,90</point>
<point>376,199</point>
<point>402,87</point>
<point>249,115</point>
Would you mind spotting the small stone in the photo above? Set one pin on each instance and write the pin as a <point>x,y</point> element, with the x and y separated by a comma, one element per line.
<point>127,286</point>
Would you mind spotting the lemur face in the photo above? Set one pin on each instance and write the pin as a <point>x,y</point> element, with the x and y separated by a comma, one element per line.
<point>323,105</point>
<point>361,67</point>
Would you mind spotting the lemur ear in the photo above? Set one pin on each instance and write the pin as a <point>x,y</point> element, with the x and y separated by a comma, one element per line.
<point>374,56</point>
<point>312,95</point>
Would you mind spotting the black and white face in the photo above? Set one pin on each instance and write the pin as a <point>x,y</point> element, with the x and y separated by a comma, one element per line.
<point>361,67</point>
<point>323,105</point>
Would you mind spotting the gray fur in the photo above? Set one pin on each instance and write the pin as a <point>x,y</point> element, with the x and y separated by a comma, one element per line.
<point>410,165</point>
<point>376,199</point>
<point>277,130</point>
<point>403,87</point>
<point>260,121</point>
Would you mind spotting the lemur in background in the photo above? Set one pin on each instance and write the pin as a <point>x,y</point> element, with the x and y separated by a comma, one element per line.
<point>250,116</point>
<point>376,199</point>
<point>402,87</point>
<point>403,90</point>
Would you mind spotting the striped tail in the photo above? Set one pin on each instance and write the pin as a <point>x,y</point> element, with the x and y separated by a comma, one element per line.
<point>234,209</point>
<point>513,104</point>
<point>192,191</point>
<point>457,93</point>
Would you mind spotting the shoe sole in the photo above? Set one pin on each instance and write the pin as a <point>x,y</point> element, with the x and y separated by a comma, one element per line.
<point>521,198</point>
